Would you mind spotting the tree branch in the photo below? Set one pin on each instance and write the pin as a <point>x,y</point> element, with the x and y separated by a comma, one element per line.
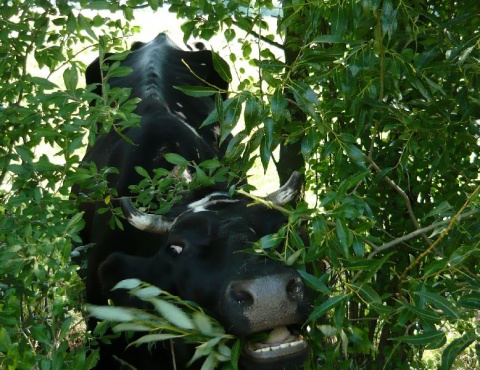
<point>267,203</point>
<point>418,232</point>
<point>405,198</point>
<point>442,235</point>
<point>379,40</point>
<point>258,36</point>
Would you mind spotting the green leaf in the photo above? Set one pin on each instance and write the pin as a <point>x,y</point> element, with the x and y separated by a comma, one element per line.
<point>176,159</point>
<point>97,5</point>
<point>225,352</point>
<point>153,4</point>
<point>203,323</point>
<point>252,114</point>
<point>328,305</point>
<point>441,303</point>
<point>269,241</point>
<point>265,153</point>
<point>457,346</point>
<point>314,282</point>
<point>70,78</point>
<point>232,111</point>
<point>142,172</point>
<point>309,143</point>
<point>229,34</point>
<point>368,267</point>
<point>43,83</point>
<point>131,326</point>
<point>354,153</point>
<point>328,330</point>
<point>172,314</point>
<point>127,284</point>
<point>329,39</point>
<point>370,296</point>
<point>197,91</point>
<point>293,257</point>
<point>117,70</point>
<point>149,338</point>
<point>221,67</point>
<point>306,98</point>
<point>5,342</point>
<point>111,313</point>
<point>210,362</point>
<point>421,313</point>
<point>439,209</point>
<point>85,24</point>
<point>344,235</point>
<point>471,300</point>
<point>358,246</point>
<point>423,339</point>
<point>278,105</point>
<point>236,351</point>
<point>148,292</point>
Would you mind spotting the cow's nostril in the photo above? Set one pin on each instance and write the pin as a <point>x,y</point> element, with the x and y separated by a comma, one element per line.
<point>240,294</point>
<point>295,288</point>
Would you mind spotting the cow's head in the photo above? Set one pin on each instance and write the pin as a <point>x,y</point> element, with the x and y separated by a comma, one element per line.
<point>207,258</point>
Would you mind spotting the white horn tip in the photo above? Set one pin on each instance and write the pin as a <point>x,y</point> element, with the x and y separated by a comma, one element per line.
<point>143,221</point>
<point>288,191</point>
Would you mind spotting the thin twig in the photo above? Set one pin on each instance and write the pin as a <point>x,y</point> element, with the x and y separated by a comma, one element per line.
<point>405,197</point>
<point>415,233</point>
<point>172,350</point>
<point>382,79</point>
<point>267,203</point>
<point>453,220</point>
<point>263,38</point>
<point>202,79</point>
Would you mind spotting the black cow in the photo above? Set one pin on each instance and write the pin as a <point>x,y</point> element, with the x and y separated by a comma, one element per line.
<point>197,250</point>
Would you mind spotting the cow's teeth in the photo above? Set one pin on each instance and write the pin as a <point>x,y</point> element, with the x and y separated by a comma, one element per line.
<point>281,346</point>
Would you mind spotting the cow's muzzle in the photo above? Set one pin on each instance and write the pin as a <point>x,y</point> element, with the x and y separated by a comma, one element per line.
<point>268,312</point>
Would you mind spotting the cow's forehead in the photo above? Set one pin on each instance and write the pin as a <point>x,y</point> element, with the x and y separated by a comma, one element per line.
<point>231,212</point>
<point>210,201</point>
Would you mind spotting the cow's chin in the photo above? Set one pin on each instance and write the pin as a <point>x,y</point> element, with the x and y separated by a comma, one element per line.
<point>281,348</point>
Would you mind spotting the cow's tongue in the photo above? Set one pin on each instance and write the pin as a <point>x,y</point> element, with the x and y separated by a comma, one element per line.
<point>279,343</point>
<point>277,336</point>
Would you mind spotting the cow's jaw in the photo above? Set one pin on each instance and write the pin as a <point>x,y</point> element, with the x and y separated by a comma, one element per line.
<point>280,344</point>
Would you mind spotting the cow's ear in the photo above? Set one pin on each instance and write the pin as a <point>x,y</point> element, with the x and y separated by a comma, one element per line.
<point>203,65</point>
<point>136,45</point>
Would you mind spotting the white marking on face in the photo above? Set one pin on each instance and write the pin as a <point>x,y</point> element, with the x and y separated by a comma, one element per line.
<point>216,131</point>
<point>180,174</point>
<point>180,115</point>
<point>177,248</point>
<point>202,204</point>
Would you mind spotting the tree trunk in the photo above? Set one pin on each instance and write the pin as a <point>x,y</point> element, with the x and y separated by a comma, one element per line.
<point>291,158</point>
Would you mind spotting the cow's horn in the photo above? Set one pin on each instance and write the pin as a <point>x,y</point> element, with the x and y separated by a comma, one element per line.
<point>144,221</point>
<point>287,192</point>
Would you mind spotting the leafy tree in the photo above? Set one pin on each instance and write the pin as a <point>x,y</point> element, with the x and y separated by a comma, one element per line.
<point>40,292</point>
<point>381,100</point>
<point>376,101</point>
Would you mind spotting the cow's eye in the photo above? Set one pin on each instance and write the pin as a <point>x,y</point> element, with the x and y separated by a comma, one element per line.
<point>176,248</point>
